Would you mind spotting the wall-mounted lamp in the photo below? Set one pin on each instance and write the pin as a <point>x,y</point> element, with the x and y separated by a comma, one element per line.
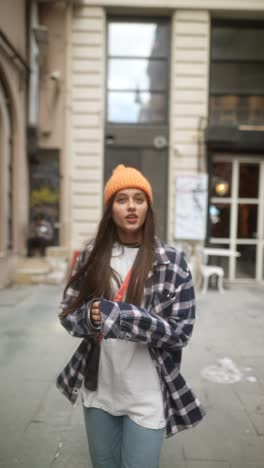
<point>55,77</point>
<point>221,188</point>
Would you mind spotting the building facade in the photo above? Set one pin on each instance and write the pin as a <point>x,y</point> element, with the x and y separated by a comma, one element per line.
<point>32,124</point>
<point>173,88</point>
<point>14,73</point>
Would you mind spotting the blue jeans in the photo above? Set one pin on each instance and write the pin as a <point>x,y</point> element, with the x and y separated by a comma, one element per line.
<point>118,442</point>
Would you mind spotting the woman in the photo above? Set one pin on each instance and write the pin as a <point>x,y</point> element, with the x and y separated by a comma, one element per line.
<point>140,395</point>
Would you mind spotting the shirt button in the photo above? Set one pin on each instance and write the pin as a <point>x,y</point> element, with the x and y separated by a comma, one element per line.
<point>75,390</point>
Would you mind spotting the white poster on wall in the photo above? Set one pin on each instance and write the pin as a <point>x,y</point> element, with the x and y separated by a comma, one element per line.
<point>191,206</point>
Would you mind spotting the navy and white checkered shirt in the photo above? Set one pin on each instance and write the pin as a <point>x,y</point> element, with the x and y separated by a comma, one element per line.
<point>164,324</point>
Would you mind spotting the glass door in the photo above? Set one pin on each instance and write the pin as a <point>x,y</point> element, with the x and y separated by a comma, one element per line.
<point>220,205</point>
<point>236,212</point>
<point>247,213</point>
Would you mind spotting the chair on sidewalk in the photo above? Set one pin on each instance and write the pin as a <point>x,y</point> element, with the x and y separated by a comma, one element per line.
<point>208,271</point>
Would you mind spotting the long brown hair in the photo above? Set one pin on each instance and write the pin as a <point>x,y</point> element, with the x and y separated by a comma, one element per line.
<point>93,279</point>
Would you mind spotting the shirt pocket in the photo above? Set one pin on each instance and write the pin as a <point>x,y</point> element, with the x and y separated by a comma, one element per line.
<point>162,302</point>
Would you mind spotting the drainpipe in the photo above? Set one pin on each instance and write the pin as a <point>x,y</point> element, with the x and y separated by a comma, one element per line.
<point>33,95</point>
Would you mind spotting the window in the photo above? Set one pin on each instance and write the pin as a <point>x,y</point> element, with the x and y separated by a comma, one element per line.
<point>237,74</point>
<point>137,71</point>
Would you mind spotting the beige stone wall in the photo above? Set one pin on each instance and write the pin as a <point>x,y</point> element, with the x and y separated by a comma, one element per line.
<point>54,121</point>
<point>225,5</point>
<point>51,120</point>
<point>13,24</point>
<point>88,90</point>
<point>188,97</point>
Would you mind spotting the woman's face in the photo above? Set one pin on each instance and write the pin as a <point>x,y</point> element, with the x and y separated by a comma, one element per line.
<point>129,211</point>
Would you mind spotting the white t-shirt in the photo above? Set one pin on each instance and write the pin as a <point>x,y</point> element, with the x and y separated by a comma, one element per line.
<point>128,383</point>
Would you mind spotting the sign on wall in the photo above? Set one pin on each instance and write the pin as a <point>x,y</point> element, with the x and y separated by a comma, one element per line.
<point>191,206</point>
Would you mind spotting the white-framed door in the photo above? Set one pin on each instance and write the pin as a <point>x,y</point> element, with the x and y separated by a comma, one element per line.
<point>236,213</point>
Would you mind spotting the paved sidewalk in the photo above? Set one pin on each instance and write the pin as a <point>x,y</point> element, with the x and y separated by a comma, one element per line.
<point>223,364</point>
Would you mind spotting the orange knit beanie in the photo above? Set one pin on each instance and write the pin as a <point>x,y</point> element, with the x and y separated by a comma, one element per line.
<point>126,177</point>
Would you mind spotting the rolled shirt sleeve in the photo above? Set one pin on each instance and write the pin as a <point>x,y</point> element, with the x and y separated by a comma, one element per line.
<point>126,321</point>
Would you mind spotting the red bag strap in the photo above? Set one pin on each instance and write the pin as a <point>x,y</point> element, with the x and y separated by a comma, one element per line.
<point>120,294</point>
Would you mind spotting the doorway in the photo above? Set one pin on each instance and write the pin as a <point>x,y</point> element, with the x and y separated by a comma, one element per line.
<point>147,159</point>
<point>236,214</point>
<point>45,189</point>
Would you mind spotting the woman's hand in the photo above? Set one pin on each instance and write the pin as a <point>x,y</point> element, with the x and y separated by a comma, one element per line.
<point>95,313</point>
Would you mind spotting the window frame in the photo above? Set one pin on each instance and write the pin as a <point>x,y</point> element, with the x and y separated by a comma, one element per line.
<point>143,20</point>
<point>254,92</point>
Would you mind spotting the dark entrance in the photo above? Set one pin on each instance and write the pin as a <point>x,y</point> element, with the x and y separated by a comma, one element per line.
<point>150,161</point>
<point>45,187</point>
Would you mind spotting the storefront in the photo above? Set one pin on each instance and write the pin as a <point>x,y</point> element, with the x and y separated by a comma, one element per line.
<point>235,140</point>
<point>236,213</point>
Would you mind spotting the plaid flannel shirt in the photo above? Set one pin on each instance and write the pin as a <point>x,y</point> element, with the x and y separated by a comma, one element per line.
<point>164,324</point>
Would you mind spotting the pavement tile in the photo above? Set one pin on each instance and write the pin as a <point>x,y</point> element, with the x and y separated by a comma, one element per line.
<point>37,448</point>
<point>206,464</point>
<point>247,465</point>
<point>12,296</point>
<point>223,443</point>
<point>173,449</point>
<point>73,452</point>
<point>54,410</point>
<point>20,404</point>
